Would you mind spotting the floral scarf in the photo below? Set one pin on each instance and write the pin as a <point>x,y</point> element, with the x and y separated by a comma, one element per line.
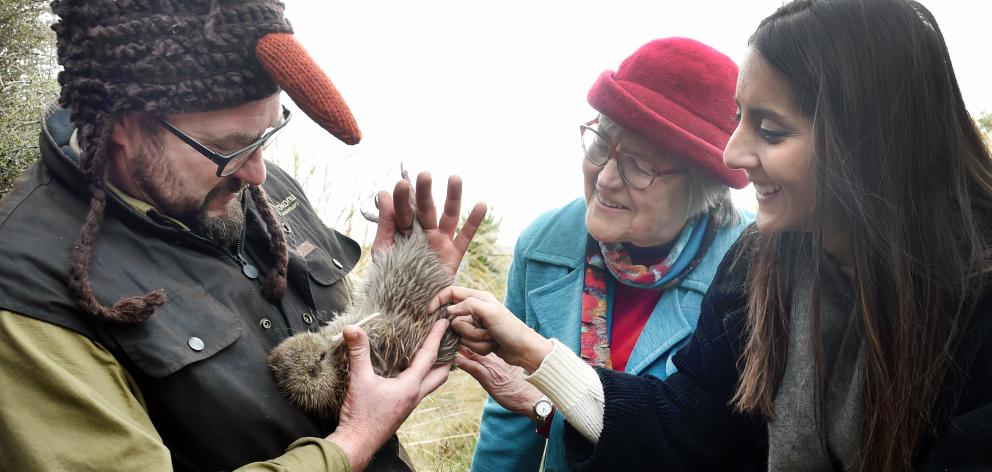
<point>607,262</point>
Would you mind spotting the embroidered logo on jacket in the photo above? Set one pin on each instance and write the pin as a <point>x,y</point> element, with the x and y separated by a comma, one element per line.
<point>287,205</point>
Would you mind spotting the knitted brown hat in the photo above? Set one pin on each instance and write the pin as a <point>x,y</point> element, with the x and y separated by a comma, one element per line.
<point>178,56</point>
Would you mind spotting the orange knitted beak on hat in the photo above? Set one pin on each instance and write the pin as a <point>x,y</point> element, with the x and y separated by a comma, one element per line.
<point>284,58</point>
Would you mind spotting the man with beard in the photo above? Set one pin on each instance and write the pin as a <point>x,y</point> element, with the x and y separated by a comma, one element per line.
<point>152,258</point>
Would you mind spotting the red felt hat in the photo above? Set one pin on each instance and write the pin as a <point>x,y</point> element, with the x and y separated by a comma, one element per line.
<point>678,94</point>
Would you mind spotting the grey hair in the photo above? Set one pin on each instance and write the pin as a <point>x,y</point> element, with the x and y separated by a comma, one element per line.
<point>706,195</point>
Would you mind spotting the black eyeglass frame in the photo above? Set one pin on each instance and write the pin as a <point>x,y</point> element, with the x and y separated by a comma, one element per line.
<point>588,126</point>
<point>222,160</point>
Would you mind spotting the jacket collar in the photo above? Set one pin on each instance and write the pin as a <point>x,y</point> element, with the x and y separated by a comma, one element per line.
<point>564,241</point>
<point>57,153</point>
<point>557,305</point>
<point>60,153</point>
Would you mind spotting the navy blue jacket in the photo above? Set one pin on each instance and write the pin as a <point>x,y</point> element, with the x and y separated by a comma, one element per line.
<point>685,422</point>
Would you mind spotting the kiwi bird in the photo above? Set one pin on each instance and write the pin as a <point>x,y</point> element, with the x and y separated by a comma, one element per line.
<point>391,304</point>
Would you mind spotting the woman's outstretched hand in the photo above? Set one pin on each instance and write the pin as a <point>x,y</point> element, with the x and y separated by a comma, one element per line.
<point>485,326</point>
<point>504,382</point>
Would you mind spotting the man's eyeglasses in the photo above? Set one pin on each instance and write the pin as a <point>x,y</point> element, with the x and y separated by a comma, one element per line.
<point>635,170</point>
<point>228,164</point>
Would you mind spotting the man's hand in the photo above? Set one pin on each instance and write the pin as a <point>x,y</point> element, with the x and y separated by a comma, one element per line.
<point>485,326</point>
<point>504,382</point>
<point>375,407</point>
<point>397,214</point>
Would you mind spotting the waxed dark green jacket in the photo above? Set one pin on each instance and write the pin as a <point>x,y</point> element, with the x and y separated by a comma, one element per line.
<point>200,359</point>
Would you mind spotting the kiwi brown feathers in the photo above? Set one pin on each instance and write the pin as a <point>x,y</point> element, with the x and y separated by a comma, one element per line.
<point>311,369</point>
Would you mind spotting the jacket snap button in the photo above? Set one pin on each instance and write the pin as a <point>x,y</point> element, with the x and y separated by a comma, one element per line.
<point>308,318</point>
<point>337,263</point>
<point>195,344</point>
<point>265,323</point>
<point>285,227</point>
<point>250,271</point>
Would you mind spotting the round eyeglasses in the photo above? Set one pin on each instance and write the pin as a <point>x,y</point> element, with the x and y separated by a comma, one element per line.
<point>635,171</point>
<point>228,164</point>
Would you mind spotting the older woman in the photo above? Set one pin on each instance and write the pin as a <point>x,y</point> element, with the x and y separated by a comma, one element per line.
<point>852,330</point>
<point>618,275</point>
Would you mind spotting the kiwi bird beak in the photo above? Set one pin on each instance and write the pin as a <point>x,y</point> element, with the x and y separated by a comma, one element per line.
<point>360,323</point>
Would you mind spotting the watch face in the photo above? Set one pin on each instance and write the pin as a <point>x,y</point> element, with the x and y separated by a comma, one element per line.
<point>543,408</point>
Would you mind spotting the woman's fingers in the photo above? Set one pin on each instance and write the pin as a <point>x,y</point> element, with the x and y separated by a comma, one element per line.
<point>466,327</point>
<point>480,347</point>
<point>486,312</point>
<point>455,294</point>
<point>466,360</point>
<point>475,338</point>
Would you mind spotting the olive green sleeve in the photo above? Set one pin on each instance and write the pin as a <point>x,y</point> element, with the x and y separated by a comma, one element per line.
<point>306,454</point>
<point>69,405</point>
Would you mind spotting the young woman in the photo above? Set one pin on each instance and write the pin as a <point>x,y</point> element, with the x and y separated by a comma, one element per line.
<point>852,329</point>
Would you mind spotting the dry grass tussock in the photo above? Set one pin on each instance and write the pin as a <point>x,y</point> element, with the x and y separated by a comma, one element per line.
<point>441,433</point>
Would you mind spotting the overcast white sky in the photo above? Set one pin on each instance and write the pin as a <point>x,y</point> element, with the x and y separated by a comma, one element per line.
<point>495,91</point>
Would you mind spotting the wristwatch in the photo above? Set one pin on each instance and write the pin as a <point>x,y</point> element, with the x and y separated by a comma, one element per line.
<point>544,411</point>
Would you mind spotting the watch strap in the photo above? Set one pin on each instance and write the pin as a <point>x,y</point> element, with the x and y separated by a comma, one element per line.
<point>544,429</point>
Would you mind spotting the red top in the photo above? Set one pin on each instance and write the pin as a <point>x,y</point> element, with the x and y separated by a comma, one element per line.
<point>632,307</point>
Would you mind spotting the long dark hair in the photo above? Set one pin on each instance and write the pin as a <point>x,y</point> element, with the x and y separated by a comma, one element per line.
<point>898,158</point>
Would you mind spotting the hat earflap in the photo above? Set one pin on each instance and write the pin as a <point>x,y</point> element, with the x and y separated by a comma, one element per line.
<point>94,140</point>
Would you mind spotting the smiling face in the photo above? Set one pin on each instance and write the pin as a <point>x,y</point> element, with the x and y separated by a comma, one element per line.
<point>773,143</point>
<point>177,180</point>
<point>617,213</point>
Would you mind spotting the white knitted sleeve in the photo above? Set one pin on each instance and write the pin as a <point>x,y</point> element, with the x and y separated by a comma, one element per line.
<point>573,386</point>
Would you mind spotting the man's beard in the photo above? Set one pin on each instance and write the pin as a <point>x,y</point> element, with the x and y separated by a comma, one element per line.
<point>224,230</point>
<point>158,179</point>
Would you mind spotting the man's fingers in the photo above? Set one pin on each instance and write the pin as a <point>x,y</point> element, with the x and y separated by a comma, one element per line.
<point>427,354</point>
<point>452,207</point>
<point>471,225</point>
<point>385,230</point>
<point>434,379</point>
<point>401,205</point>
<point>426,213</point>
<point>358,351</point>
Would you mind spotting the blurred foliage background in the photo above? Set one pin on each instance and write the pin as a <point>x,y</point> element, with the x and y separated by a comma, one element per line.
<point>27,82</point>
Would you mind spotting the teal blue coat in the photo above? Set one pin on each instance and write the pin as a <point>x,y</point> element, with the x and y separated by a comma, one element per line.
<point>544,289</point>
